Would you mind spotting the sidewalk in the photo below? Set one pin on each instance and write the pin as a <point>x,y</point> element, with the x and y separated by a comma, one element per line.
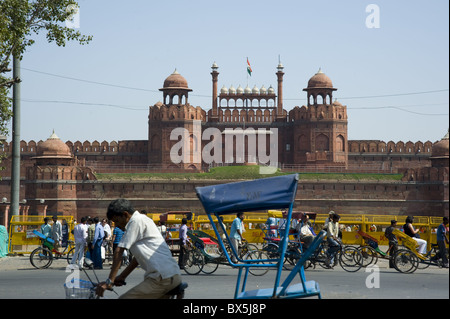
<point>23,262</point>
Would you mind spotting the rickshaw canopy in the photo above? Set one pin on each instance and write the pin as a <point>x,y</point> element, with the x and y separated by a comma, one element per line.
<point>267,193</point>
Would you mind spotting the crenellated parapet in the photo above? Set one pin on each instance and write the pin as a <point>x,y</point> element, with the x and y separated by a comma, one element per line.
<point>162,112</point>
<point>334,111</point>
<point>376,146</point>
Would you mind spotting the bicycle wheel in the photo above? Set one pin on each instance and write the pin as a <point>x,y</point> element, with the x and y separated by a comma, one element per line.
<point>405,261</point>
<point>320,256</point>
<point>70,255</point>
<point>210,266</point>
<point>245,249</point>
<point>369,255</point>
<point>194,262</point>
<point>424,264</point>
<point>350,259</point>
<point>291,257</point>
<point>41,258</point>
<point>255,255</point>
<point>272,250</point>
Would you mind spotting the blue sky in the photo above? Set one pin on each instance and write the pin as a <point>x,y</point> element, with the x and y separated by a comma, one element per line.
<point>138,43</point>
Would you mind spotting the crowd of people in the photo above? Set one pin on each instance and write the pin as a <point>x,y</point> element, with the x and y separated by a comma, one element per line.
<point>92,236</point>
<point>304,232</point>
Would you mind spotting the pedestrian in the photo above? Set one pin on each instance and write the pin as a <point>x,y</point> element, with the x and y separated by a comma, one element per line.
<point>236,233</point>
<point>46,229</point>
<point>393,242</point>
<point>222,231</point>
<point>333,240</point>
<point>80,236</point>
<point>106,229</point>
<point>97,244</point>
<point>409,230</point>
<point>65,233</point>
<point>149,250</point>
<point>442,241</point>
<point>116,237</point>
<point>56,232</point>
<point>91,234</point>
<point>183,240</point>
<point>162,229</point>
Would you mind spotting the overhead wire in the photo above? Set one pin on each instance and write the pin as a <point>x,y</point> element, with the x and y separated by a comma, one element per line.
<point>156,91</point>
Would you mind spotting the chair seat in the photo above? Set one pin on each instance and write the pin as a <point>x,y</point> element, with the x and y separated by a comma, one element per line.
<point>293,291</point>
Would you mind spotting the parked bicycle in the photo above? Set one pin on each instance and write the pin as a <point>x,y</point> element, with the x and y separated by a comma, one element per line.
<point>43,256</point>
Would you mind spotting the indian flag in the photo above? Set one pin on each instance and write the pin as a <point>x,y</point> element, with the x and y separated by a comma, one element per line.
<point>249,68</point>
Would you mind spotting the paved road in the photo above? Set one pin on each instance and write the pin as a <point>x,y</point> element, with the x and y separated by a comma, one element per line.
<point>19,280</point>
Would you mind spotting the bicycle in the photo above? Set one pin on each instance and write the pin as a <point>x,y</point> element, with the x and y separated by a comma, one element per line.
<point>43,256</point>
<point>83,289</point>
<point>203,254</point>
<point>348,257</point>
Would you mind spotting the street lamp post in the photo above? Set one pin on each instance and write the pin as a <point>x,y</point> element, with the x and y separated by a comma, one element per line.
<point>15,165</point>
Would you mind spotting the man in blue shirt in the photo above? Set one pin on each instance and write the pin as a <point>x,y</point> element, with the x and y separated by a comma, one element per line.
<point>46,229</point>
<point>97,244</point>
<point>237,228</point>
<point>442,241</point>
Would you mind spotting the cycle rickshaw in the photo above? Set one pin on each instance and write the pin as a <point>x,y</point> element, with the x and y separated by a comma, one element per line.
<point>262,194</point>
<point>405,260</point>
<point>43,256</point>
<point>408,259</point>
<point>204,254</point>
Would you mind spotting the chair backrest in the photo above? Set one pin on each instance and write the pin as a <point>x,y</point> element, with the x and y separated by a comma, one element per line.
<point>261,194</point>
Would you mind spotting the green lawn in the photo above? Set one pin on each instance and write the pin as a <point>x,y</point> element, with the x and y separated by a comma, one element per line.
<point>245,173</point>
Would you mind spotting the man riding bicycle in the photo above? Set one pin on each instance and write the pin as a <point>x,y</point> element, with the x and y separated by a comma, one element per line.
<point>149,250</point>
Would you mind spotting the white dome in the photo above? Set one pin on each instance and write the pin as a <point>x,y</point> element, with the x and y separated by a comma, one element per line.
<point>232,90</point>
<point>255,90</point>
<point>263,90</point>
<point>248,90</point>
<point>271,90</point>
<point>240,90</point>
<point>224,90</point>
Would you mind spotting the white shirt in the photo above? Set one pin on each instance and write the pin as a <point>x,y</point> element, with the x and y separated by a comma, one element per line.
<point>333,229</point>
<point>80,233</point>
<point>147,245</point>
<point>305,231</point>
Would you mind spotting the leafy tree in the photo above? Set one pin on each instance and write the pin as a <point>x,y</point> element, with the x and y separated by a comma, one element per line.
<point>20,21</point>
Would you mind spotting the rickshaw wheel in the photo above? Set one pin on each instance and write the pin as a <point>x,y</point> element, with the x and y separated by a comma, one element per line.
<point>257,254</point>
<point>405,261</point>
<point>41,258</point>
<point>350,259</point>
<point>194,261</point>
<point>369,255</point>
<point>210,267</point>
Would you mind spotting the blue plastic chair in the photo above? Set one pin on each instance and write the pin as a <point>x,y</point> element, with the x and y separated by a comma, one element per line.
<point>262,194</point>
